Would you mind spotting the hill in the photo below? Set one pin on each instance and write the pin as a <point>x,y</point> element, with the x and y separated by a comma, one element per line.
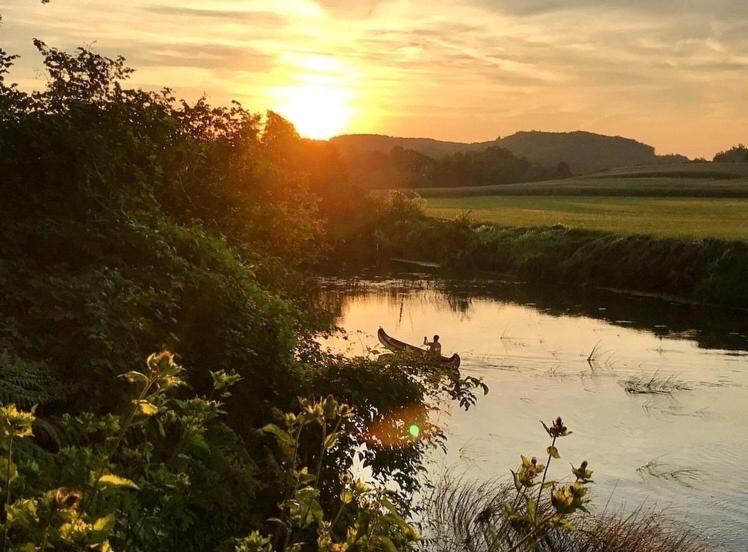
<point>357,144</point>
<point>584,152</point>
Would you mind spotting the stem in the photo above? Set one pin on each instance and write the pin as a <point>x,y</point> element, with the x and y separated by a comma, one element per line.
<point>530,534</point>
<point>287,540</point>
<point>322,448</point>
<point>8,460</point>
<point>113,448</point>
<point>337,516</point>
<point>319,461</point>
<point>545,472</point>
<point>505,522</point>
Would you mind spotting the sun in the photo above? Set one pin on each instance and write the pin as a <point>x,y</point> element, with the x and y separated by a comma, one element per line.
<point>317,110</point>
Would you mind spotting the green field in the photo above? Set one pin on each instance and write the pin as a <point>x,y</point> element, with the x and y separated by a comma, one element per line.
<point>680,217</point>
<point>667,180</point>
<point>681,200</point>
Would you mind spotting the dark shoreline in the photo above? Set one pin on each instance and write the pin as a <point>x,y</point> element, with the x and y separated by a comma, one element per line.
<point>706,272</point>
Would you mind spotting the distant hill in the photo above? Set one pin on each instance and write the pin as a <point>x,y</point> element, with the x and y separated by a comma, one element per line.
<point>354,144</point>
<point>584,152</point>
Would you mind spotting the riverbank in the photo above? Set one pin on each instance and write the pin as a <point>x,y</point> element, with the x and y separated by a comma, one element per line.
<point>706,271</point>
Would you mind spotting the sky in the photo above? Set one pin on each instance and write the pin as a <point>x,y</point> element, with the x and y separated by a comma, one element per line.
<point>670,73</point>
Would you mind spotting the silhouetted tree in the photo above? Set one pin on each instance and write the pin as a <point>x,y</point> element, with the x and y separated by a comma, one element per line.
<point>736,154</point>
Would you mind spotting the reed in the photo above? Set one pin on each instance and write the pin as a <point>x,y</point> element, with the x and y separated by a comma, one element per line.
<point>456,511</point>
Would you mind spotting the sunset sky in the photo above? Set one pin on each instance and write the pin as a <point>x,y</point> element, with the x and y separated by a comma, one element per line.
<point>671,73</point>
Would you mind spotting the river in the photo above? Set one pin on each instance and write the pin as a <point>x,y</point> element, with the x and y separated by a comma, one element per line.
<point>571,353</point>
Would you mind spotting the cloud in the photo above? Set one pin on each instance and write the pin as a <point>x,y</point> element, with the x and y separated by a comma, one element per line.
<point>348,8</point>
<point>721,8</point>
<point>219,58</point>
<point>462,69</point>
<point>254,17</point>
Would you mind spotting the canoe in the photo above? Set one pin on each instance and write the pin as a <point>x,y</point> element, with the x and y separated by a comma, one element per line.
<point>397,346</point>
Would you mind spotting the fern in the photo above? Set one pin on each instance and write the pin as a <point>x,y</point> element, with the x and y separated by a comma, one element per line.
<point>25,383</point>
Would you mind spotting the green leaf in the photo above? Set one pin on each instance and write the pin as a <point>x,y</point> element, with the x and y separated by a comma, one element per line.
<point>553,452</point>
<point>387,544</point>
<point>532,511</point>
<point>4,472</point>
<point>283,436</point>
<point>135,377</point>
<point>331,440</point>
<point>105,523</point>
<point>111,480</point>
<point>308,498</point>
<point>101,528</point>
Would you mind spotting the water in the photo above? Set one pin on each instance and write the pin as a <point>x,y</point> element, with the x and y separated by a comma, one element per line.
<point>684,452</point>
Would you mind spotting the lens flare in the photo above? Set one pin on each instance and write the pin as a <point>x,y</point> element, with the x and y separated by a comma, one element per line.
<point>400,428</point>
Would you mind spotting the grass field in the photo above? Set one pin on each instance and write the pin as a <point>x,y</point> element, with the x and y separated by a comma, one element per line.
<point>668,180</point>
<point>679,217</point>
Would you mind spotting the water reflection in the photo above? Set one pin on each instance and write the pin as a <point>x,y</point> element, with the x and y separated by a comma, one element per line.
<point>710,328</point>
<point>547,352</point>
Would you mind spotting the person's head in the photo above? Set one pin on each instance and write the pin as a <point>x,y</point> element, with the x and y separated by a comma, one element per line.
<point>436,339</point>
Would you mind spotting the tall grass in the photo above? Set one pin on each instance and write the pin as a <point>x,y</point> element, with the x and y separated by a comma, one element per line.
<point>704,271</point>
<point>457,511</point>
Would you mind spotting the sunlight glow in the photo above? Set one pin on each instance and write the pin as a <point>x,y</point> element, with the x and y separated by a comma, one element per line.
<point>316,93</point>
<point>318,111</point>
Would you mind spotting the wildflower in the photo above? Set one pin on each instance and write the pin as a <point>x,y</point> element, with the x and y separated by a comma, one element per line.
<point>567,499</point>
<point>14,422</point>
<point>557,429</point>
<point>582,473</point>
<point>67,499</point>
<point>528,471</point>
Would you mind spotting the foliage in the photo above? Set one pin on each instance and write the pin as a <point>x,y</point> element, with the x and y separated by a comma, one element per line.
<point>533,513</point>
<point>366,517</point>
<point>736,154</point>
<point>457,506</point>
<point>26,383</point>
<point>150,478</point>
<point>538,509</point>
<point>407,168</point>
<point>138,481</point>
<point>707,271</point>
<point>391,395</point>
<point>132,221</point>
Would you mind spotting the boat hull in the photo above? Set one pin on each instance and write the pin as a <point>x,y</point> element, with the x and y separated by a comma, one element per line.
<point>397,346</point>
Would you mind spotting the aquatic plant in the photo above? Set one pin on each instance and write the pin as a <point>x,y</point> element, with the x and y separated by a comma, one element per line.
<point>501,516</point>
<point>661,470</point>
<point>512,519</point>
<point>654,385</point>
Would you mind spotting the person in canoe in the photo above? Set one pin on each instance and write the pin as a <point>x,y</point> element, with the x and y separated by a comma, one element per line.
<point>435,348</point>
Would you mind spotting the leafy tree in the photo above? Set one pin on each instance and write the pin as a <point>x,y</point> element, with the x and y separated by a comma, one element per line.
<point>736,154</point>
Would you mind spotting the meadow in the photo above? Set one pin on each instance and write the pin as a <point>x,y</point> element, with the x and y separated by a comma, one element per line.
<point>672,217</point>
<point>667,180</point>
<point>684,200</point>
